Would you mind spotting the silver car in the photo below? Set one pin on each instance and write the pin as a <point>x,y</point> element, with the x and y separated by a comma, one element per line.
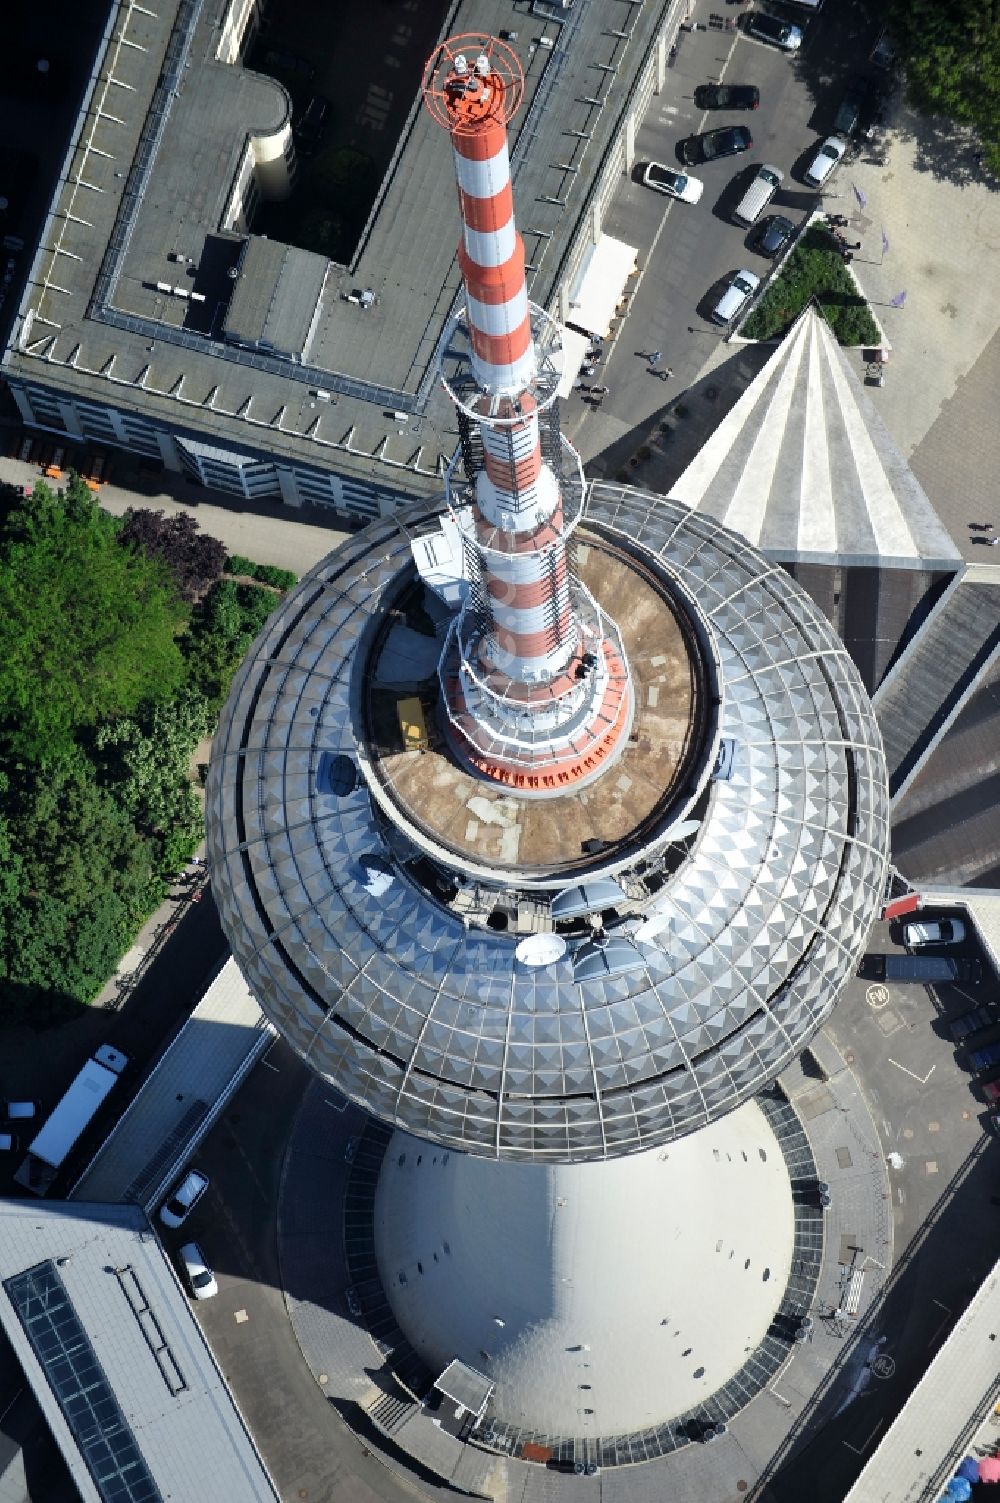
<point>825,160</point>
<point>197,1272</point>
<point>933,932</point>
<point>178,1207</point>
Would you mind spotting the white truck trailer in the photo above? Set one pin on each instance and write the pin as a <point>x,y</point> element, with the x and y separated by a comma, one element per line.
<point>49,1149</point>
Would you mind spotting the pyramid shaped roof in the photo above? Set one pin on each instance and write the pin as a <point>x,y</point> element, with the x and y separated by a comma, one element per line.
<point>805,469</point>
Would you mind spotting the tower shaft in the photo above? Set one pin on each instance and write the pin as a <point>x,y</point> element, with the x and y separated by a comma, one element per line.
<point>535,686</point>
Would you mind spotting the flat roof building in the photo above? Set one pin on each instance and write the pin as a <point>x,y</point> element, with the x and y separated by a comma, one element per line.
<point>155,320</point>
<point>117,1361</point>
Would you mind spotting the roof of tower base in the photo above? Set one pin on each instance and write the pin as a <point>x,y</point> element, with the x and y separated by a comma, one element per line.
<point>520,1269</point>
<point>806,470</point>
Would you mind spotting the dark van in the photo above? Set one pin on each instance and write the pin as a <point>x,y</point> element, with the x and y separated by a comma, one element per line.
<point>923,969</point>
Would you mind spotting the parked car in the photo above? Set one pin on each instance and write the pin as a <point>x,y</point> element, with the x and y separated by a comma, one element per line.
<point>313,124</point>
<point>20,1111</point>
<point>969,1022</point>
<point>727,141</point>
<point>197,1272</point>
<point>985,1058</point>
<point>772,235</point>
<point>991,1090</point>
<point>727,97</point>
<point>933,932</point>
<point>673,184</point>
<point>770,29</point>
<point>883,54</point>
<point>288,63</point>
<point>849,110</point>
<point>177,1207</point>
<point>825,160</point>
<point>733,302</point>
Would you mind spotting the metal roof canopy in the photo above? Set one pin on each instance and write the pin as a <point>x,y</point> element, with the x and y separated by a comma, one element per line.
<point>465,1387</point>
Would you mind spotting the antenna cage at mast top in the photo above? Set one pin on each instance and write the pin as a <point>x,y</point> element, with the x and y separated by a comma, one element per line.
<point>460,93</point>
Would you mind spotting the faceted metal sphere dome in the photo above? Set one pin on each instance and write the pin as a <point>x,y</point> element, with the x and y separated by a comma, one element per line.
<point>691,956</point>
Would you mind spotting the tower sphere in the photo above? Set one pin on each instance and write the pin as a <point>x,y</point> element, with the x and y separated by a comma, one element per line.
<point>712,887</point>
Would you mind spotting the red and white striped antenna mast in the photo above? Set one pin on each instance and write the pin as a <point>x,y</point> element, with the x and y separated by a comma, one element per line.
<point>534,678</point>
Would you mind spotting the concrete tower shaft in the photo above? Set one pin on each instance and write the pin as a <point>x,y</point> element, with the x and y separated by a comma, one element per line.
<point>529,678</point>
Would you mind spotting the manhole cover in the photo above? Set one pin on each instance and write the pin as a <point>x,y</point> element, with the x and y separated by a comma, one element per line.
<point>323,1380</point>
<point>711,393</point>
<point>741,1486</point>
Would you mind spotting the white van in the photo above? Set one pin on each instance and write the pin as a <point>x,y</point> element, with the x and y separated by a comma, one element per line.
<point>759,194</point>
<point>733,302</point>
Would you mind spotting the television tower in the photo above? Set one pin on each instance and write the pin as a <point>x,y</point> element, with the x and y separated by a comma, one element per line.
<point>535,683</point>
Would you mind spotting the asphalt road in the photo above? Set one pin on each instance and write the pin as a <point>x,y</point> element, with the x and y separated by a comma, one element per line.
<point>936,1137</point>
<point>309,1451</point>
<point>686,252</point>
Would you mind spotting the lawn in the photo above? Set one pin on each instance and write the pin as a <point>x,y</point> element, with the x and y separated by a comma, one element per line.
<point>815,269</point>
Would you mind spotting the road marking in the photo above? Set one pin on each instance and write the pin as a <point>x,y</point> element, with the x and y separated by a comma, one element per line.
<point>877,996</point>
<point>921,1080</point>
<point>940,1306</point>
<point>338,1106</point>
<point>268,1066</point>
<point>940,1328</point>
<point>868,1442</point>
<point>11,1404</point>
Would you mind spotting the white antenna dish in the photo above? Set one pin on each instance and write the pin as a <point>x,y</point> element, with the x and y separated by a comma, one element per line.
<point>651,927</point>
<point>541,949</point>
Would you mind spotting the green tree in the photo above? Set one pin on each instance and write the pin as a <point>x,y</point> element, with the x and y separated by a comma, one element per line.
<point>950,50</point>
<point>143,761</point>
<point>87,628</point>
<point>85,880</point>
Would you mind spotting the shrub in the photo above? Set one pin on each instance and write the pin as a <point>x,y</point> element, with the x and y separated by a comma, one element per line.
<point>282,579</point>
<point>815,269</point>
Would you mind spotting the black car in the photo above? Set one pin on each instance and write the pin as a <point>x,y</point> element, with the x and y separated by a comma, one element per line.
<point>313,123</point>
<point>849,110</point>
<point>727,141</point>
<point>727,97</point>
<point>772,235</point>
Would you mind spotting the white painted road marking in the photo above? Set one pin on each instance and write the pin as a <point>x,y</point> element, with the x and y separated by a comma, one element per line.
<point>867,1443</point>
<point>920,1080</point>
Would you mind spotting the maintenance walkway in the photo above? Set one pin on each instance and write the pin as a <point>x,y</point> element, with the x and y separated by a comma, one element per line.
<point>182,1096</point>
<point>925,690</point>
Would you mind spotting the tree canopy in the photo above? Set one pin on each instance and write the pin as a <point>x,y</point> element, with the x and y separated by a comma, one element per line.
<point>195,559</point>
<point>950,50</point>
<point>88,628</point>
<point>108,680</point>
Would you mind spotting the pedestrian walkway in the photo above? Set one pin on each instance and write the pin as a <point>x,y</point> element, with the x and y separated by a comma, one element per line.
<point>289,538</point>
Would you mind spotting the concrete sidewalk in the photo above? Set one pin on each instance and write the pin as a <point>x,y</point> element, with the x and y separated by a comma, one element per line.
<point>268,534</point>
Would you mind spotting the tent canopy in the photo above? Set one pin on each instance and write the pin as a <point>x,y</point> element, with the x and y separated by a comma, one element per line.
<point>600,283</point>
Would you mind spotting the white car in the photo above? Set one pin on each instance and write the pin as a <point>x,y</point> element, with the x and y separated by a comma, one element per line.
<point>673,184</point>
<point>825,160</point>
<point>933,932</point>
<point>178,1207</point>
<point>197,1272</point>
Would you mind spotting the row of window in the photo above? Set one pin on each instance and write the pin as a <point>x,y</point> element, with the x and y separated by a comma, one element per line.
<point>251,479</point>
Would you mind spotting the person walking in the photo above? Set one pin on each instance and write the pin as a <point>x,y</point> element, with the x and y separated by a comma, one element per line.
<point>994,542</point>
<point>666,373</point>
<point>654,359</point>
